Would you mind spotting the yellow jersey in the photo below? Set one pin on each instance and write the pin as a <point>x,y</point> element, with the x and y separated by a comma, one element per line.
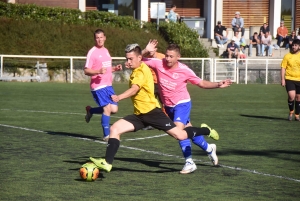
<point>144,100</point>
<point>291,63</point>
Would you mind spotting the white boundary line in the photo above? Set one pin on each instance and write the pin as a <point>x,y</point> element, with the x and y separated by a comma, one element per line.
<point>157,153</point>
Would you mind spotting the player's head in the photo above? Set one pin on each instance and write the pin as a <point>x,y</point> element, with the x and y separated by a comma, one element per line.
<point>99,37</point>
<point>296,46</point>
<point>172,55</point>
<point>133,55</point>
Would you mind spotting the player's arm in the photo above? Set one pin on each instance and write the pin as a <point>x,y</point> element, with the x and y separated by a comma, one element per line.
<point>126,94</point>
<point>91,72</point>
<point>282,76</point>
<point>213,85</point>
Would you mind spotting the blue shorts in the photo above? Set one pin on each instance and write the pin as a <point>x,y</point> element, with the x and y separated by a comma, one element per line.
<point>103,96</point>
<point>180,113</point>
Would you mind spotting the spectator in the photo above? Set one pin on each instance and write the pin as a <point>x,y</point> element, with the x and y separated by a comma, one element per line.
<point>238,24</point>
<point>266,41</point>
<point>172,16</point>
<point>220,38</point>
<point>233,50</point>
<point>238,40</point>
<point>298,36</point>
<point>291,38</point>
<point>263,29</point>
<point>282,33</point>
<point>254,42</point>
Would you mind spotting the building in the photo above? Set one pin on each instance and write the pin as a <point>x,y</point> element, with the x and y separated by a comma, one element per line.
<point>254,12</point>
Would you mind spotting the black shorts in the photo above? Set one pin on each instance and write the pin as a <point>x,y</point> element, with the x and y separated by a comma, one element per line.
<point>155,118</point>
<point>292,85</point>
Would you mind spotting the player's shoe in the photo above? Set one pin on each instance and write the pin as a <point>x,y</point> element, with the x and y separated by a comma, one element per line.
<point>101,164</point>
<point>290,117</point>
<point>105,138</point>
<point>213,133</point>
<point>189,167</point>
<point>297,118</point>
<point>148,128</point>
<point>88,115</point>
<point>213,155</point>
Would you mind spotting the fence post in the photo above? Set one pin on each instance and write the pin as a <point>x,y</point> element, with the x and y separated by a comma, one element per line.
<point>1,66</point>
<point>267,64</point>
<point>71,69</point>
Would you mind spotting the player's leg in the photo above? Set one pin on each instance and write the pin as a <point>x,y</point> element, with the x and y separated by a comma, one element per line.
<point>180,116</point>
<point>129,123</point>
<point>291,91</point>
<point>297,102</point>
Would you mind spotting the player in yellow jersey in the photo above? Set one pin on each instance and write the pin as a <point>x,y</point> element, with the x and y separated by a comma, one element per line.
<point>146,112</point>
<point>290,79</point>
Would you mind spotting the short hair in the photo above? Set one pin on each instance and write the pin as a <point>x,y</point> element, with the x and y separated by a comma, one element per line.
<point>173,6</point>
<point>134,48</point>
<point>174,47</point>
<point>296,41</point>
<point>255,32</point>
<point>98,31</point>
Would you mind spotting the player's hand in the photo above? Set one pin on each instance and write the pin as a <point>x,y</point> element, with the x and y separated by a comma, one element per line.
<point>283,83</point>
<point>151,45</point>
<point>117,67</point>
<point>225,83</point>
<point>102,70</point>
<point>115,98</point>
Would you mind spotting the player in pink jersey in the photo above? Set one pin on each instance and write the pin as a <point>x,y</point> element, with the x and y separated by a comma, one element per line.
<point>99,67</point>
<point>173,77</point>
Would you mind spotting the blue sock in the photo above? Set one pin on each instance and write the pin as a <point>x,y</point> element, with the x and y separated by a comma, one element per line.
<point>105,124</point>
<point>96,110</point>
<point>200,141</point>
<point>186,148</point>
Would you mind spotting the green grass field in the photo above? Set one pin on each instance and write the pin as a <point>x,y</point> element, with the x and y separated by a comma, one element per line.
<point>44,140</point>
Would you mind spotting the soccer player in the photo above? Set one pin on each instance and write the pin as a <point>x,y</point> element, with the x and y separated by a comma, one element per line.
<point>99,67</point>
<point>172,78</point>
<point>290,79</point>
<point>146,112</point>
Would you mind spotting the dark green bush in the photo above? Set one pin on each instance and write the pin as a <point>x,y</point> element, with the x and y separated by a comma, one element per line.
<point>60,31</point>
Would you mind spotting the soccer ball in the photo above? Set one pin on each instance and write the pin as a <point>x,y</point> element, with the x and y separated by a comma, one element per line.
<point>89,172</point>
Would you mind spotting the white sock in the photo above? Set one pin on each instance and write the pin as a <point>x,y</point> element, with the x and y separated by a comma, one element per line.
<point>209,148</point>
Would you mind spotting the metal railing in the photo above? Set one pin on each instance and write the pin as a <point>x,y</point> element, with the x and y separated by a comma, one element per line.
<point>240,71</point>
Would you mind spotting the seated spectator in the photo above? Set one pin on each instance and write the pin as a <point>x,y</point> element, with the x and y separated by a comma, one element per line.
<point>238,24</point>
<point>263,29</point>
<point>266,41</point>
<point>238,40</point>
<point>282,33</point>
<point>172,16</point>
<point>220,38</point>
<point>233,50</point>
<point>298,36</point>
<point>254,42</point>
<point>291,38</point>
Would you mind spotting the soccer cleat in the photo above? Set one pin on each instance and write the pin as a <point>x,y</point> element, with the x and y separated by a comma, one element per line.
<point>213,133</point>
<point>213,155</point>
<point>297,118</point>
<point>105,138</point>
<point>101,164</point>
<point>290,117</point>
<point>189,167</point>
<point>88,115</point>
<point>148,128</point>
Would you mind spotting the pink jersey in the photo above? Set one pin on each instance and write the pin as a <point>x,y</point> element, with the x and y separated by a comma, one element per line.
<point>172,82</point>
<point>98,58</point>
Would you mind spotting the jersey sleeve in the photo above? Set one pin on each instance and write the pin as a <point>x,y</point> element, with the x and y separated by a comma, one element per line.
<point>151,62</point>
<point>138,78</point>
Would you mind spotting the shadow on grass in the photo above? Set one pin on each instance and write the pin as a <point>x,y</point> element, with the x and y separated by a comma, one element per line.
<point>263,117</point>
<point>72,135</point>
